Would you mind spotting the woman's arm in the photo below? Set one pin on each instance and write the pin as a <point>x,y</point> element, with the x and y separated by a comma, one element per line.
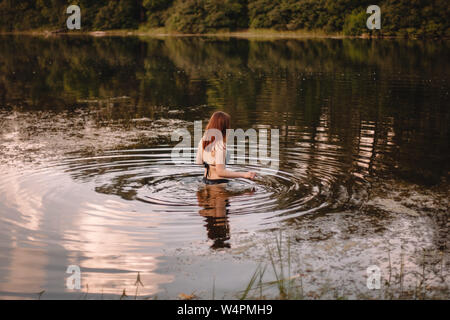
<point>220,165</point>
<point>224,173</point>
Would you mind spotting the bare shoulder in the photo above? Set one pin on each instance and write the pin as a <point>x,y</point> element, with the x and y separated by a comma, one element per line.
<point>220,145</point>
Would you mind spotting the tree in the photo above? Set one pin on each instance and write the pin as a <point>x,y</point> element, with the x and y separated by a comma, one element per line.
<point>120,14</point>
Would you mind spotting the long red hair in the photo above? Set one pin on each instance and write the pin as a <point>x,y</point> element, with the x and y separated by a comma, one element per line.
<point>219,121</point>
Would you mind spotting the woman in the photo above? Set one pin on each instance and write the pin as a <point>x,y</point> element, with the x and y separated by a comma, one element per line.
<point>211,151</point>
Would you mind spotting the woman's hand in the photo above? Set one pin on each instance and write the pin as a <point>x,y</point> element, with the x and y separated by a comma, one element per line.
<point>250,175</point>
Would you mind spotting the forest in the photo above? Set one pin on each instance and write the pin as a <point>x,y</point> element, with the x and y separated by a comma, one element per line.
<point>408,18</point>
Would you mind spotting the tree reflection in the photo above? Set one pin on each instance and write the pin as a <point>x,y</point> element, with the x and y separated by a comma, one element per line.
<point>384,101</point>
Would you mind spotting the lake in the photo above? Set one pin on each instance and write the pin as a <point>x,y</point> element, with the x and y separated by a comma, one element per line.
<point>87,177</point>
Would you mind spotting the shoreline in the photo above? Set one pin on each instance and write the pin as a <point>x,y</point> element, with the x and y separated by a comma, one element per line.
<point>242,34</point>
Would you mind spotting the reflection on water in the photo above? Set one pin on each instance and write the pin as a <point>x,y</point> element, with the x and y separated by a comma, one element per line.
<point>215,201</point>
<point>87,176</point>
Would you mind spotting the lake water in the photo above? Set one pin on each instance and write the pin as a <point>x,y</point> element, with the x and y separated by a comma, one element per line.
<point>87,177</point>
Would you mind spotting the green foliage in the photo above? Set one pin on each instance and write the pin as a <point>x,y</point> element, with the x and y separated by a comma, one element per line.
<point>355,23</point>
<point>198,16</point>
<point>416,18</point>
<point>156,12</point>
<point>120,14</point>
<point>156,5</point>
<point>187,16</point>
<point>259,13</point>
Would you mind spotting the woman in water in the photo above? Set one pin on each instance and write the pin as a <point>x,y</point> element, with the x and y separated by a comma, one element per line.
<point>211,151</point>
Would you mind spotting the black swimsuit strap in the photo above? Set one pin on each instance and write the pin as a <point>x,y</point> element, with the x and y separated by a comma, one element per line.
<point>211,181</point>
<point>207,168</point>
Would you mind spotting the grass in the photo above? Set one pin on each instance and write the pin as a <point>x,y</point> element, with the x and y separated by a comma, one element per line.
<point>287,285</point>
<point>145,31</point>
<point>284,281</point>
<point>291,287</point>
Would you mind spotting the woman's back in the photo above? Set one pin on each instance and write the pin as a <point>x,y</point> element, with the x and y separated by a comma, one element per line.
<point>213,154</point>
